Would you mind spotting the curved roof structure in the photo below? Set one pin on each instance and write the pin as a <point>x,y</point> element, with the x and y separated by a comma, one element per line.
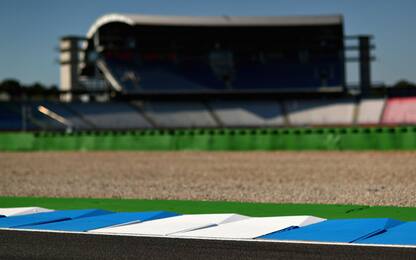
<point>137,19</point>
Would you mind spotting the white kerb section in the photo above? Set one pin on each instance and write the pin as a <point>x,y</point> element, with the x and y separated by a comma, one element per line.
<point>172,225</point>
<point>8,212</point>
<point>252,227</point>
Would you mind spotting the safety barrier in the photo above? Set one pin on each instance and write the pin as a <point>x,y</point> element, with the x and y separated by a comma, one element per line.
<point>352,138</point>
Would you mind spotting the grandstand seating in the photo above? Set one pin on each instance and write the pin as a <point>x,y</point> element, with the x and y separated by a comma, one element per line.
<point>63,110</point>
<point>370,111</point>
<point>179,114</point>
<point>110,115</point>
<point>199,76</point>
<point>11,116</point>
<point>9,119</point>
<point>320,112</point>
<point>161,77</point>
<point>218,113</point>
<point>400,111</point>
<point>41,120</point>
<point>248,113</point>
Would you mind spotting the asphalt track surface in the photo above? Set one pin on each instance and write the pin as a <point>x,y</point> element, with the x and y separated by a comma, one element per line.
<point>365,178</point>
<point>51,245</point>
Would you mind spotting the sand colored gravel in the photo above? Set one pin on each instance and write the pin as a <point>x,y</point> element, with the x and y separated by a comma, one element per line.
<point>373,178</point>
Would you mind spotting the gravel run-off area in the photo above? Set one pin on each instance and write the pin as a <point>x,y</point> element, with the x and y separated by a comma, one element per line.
<point>371,178</point>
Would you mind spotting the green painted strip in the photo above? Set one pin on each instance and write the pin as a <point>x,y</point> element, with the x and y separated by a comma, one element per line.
<point>347,138</point>
<point>193,207</point>
<point>16,141</point>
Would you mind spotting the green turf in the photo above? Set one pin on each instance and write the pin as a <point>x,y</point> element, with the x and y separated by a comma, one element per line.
<point>188,207</point>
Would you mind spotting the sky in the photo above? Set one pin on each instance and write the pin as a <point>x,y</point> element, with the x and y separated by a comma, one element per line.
<point>30,29</point>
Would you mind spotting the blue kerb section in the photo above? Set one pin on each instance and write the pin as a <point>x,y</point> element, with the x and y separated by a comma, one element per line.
<point>49,217</point>
<point>341,230</point>
<point>404,234</point>
<point>279,231</point>
<point>90,223</point>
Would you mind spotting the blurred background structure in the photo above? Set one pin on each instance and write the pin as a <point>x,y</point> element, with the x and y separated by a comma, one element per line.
<point>170,72</point>
<point>137,71</point>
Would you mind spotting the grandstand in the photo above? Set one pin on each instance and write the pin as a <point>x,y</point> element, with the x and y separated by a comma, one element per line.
<point>370,111</point>
<point>117,115</point>
<point>400,111</point>
<point>159,54</point>
<point>179,114</point>
<point>320,112</point>
<point>157,72</point>
<point>247,113</point>
<point>110,115</point>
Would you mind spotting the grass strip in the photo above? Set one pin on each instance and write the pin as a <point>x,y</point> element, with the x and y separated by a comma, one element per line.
<point>193,207</point>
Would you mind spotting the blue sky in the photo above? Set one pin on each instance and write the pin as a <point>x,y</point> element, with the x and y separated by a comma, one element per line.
<point>30,29</point>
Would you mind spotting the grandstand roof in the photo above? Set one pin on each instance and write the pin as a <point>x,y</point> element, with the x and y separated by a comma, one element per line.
<point>137,19</point>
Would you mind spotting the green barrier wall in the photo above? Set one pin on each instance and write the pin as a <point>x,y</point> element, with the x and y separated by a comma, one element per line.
<point>351,138</point>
